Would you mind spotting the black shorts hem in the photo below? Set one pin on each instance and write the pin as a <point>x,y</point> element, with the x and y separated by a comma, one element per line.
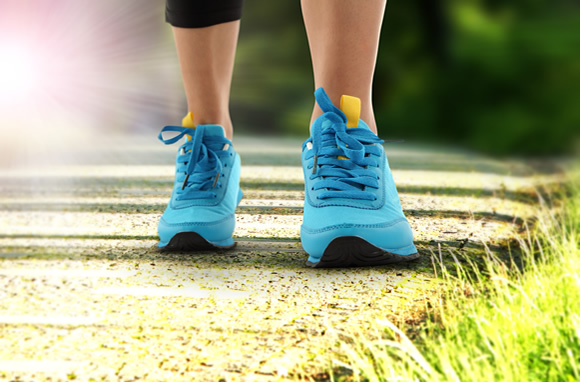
<point>193,19</point>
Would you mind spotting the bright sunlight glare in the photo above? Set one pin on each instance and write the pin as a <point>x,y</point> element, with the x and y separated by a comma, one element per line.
<point>72,71</point>
<point>18,72</point>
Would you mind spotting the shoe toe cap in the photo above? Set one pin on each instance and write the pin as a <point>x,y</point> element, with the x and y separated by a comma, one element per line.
<point>212,231</point>
<point>395,236</point>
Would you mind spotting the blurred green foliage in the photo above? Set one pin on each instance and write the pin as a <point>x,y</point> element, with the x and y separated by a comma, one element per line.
<point>500,77</point>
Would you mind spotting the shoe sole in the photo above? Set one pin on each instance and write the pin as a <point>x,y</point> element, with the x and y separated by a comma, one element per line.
<point>353,251</point>
<point>191,242</point>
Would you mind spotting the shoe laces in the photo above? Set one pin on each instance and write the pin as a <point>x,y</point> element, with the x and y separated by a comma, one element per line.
<point>343,157</point>
<point>199,160</point>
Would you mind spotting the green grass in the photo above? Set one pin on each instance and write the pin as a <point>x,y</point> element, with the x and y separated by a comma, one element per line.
<point>494,321</point>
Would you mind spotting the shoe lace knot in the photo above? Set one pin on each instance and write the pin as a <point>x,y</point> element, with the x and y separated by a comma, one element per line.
<point>199,163</point>
<point>343,157</point>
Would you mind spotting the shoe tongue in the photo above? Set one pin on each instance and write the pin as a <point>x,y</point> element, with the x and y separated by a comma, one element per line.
<point>214,131</point>
<point>210,130</point>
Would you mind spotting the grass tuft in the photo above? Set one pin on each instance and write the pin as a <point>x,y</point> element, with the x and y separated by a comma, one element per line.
<point>495,321</point>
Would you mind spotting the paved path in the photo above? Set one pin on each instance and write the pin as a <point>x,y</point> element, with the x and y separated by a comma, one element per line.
<point>84,295</point>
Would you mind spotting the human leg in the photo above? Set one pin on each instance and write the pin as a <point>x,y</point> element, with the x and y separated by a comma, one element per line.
<point>343,36</point>
<point>200,213</point>
<point>206,35</point>
<point>206,57</point>
<point>352,212</point>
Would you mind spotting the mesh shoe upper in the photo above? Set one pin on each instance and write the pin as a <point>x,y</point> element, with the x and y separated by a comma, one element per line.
<point>349,188</point>
<point>206,189</point>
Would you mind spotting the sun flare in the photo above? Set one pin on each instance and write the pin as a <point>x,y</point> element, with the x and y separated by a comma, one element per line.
<point>72,70</point>
<point>19,74</point>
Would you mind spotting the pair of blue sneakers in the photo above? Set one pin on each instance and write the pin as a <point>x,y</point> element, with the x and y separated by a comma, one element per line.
<point>352,212</point>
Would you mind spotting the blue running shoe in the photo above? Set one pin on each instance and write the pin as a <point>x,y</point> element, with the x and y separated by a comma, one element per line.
<point>352,212</point>
<point>200,214</point>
